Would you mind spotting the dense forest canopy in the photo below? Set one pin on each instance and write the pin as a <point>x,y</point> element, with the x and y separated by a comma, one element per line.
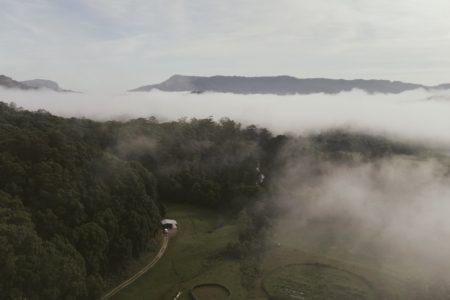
<point>84,195</point>
<point>79,199</point>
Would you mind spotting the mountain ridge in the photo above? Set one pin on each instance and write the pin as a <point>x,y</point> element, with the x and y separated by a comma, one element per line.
<point>280,85</point>
<point>34,84</point>
<point>8,82</point>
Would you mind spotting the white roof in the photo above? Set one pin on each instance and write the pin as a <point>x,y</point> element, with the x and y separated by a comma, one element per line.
<point>168,221</point>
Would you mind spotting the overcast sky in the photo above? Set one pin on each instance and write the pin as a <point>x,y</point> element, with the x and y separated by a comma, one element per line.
<point>115,45</point>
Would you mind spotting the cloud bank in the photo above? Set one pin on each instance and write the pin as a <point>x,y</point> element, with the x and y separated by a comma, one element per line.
<point>418,116</point>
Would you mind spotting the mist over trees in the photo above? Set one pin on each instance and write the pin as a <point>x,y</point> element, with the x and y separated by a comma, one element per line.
<point>80,199</point>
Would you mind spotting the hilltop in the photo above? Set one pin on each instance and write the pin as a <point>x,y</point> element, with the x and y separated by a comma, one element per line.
<point>280,85</point>
<point>34,84</point>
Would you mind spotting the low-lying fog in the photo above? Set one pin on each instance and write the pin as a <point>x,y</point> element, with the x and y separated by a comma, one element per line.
<point>393,213</point>
<point>412,115</point>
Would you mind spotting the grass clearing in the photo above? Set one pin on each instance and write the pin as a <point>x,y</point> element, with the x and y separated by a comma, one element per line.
<point>192,257</point>
<point>292,243</point>
<point>316,281</point>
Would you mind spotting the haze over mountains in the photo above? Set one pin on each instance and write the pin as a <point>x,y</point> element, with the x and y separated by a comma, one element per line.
<point>34,84</point>
<point>280,85</point>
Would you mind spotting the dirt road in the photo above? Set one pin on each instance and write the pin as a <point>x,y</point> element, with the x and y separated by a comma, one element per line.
<point>164,242</point>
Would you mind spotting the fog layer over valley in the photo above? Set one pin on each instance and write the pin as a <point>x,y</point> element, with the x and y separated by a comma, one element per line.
<point>417,115</point>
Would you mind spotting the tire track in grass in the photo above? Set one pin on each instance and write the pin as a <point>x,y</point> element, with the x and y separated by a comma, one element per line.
<point>141,272</point>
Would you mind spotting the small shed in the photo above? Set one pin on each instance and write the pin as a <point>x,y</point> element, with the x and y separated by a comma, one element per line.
<point>169,224</point>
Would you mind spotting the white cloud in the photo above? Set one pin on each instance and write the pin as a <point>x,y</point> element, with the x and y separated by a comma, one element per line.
<point>410,115</point>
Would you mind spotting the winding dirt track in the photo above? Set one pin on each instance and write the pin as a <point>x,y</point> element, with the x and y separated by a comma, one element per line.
<point>164,242</point>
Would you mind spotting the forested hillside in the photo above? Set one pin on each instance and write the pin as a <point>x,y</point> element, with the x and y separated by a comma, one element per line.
<point>79,199</point>
<point>70,211</point>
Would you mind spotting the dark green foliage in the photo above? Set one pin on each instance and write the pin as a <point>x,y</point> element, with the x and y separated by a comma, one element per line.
<point>200,162</point>
<point>70,212</point>
<point>31,267</point>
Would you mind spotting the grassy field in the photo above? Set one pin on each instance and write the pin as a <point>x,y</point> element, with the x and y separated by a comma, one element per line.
<point>297,245</point>
<point>316,281</point>
<point>192,257</point>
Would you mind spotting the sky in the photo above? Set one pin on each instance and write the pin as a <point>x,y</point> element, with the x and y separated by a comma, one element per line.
<point>112,45</point>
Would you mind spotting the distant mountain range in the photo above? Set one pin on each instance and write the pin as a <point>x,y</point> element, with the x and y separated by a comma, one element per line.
<point>34,84</point>
<point>280,85</point>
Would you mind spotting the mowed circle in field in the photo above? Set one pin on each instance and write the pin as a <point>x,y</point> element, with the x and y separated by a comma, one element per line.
<point>316,281</point>
<point>210,291</point>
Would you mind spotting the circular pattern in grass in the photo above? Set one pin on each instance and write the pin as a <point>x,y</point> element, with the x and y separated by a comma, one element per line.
<point>210,291</point>
<point>316,281</point>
